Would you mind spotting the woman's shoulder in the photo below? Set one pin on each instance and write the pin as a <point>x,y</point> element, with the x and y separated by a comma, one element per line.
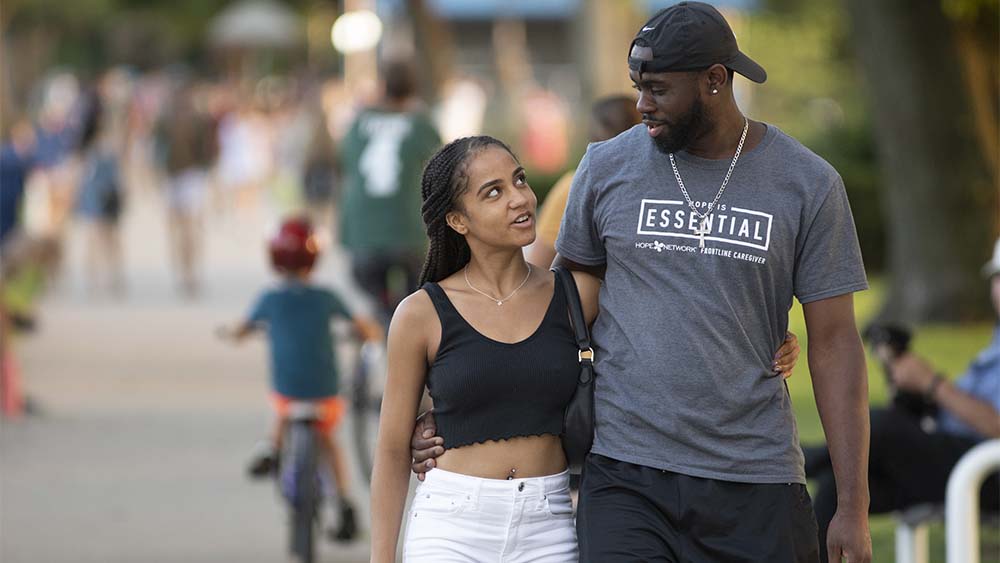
<point>413,320</point>
<point>414,308</point>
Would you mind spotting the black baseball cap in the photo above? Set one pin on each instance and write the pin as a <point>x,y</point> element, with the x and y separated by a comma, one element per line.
<point>689,36</point>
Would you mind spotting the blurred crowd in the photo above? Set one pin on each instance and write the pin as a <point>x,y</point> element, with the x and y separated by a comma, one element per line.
<point>200,148</point>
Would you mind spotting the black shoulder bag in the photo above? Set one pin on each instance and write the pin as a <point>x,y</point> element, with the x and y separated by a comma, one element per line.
<point>578,420</point>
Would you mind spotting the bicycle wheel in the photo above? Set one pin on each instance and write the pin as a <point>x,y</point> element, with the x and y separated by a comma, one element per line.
<point>302,489</point>
<point>366,403</point>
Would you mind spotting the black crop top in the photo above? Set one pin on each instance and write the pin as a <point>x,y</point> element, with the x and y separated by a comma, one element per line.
<point>489,390</point>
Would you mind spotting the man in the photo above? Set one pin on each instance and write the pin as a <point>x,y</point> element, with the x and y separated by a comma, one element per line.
<point>910,464</point>
<point>383,155</point>
<point>706,225</point>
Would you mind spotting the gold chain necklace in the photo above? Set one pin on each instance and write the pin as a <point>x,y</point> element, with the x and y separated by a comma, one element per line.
<point>499,302</point>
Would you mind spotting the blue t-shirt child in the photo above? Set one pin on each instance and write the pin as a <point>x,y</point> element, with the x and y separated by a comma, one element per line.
<point>297,316</point>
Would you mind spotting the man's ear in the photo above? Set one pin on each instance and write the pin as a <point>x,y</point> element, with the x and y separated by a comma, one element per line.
<point>718,78</point>
<point>457,222</point>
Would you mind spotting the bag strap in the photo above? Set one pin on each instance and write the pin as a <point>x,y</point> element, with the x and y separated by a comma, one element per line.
<point>580,332</point>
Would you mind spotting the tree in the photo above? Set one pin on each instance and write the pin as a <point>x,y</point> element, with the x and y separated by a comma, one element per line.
<point>937,152</point>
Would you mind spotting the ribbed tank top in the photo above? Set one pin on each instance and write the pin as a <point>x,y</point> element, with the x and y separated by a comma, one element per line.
<point>489,390</point>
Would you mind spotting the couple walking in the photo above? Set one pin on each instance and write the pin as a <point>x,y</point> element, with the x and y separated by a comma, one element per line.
<point>688,237</point>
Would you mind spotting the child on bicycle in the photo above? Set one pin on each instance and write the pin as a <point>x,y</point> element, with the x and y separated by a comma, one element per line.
<point>296,316</point>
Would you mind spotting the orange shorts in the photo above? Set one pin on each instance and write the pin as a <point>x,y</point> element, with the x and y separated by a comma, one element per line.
<point>331,410</point>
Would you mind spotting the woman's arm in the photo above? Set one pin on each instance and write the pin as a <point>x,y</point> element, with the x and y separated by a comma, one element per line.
<point>407,370</point>
<point>589,286</point>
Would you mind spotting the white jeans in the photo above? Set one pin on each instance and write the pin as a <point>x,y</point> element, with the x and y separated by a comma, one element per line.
<point>458,518</point>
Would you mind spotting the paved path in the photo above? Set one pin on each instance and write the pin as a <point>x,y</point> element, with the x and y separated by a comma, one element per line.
<point>148,419</point>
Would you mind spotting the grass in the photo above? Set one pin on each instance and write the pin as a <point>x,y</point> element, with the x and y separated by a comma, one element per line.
<point>948,348</point>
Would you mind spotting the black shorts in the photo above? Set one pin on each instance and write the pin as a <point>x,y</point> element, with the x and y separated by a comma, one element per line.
<point>631,513</point>
<point>374,273</point>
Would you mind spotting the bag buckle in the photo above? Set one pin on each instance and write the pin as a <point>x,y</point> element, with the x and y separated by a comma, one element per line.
<point>587,354</point>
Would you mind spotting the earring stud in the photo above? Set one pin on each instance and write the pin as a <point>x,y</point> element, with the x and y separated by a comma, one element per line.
<point>714,91</point>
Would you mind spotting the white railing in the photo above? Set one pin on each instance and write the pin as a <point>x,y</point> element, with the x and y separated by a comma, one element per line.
<point>912,543</point>
<point>912,524</point>
<point>962,501</point>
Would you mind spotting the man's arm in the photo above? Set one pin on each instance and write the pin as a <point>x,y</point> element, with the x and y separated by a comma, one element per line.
<point>596,271</point>
<point>840,384</point>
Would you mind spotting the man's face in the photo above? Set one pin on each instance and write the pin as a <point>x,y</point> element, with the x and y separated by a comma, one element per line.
<point>671,108</point>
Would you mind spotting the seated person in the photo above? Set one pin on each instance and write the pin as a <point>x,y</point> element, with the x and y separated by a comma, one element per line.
<point>910,465</point>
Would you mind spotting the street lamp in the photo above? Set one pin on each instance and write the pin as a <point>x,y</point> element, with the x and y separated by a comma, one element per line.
<point>356,31</point>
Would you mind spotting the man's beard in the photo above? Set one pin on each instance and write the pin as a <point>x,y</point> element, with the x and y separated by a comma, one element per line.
<point>678,135</point>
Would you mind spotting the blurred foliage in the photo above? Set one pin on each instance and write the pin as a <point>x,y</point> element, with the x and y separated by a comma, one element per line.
<point>814,94</point>
<point>144,33</point>
<point>969,10</point>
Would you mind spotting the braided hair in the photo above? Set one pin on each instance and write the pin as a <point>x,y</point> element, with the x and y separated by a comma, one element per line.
<point>445,179</point>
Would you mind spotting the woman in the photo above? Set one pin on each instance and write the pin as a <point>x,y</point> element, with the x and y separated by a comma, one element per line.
<point>490,338</point>
<point>100,201</point>
<point>191,150</point>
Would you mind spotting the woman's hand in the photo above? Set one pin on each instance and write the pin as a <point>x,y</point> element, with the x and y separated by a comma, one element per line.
<point>787,356</point>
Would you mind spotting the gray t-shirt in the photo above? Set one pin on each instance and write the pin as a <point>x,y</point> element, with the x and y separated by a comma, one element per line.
<point>685,336</point>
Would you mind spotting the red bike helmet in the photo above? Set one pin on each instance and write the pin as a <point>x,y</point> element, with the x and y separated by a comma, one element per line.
<point>294,247</point>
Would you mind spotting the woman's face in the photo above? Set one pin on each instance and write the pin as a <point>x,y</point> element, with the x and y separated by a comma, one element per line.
<point>498,206</point>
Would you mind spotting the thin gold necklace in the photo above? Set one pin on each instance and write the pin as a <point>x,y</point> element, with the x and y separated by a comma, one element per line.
<point>499,302</point>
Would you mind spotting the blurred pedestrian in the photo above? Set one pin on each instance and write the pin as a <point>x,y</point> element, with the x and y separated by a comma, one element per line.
<point>58,131</point>
<point>609,116</point>
<point>17,157</point>
<point>16,160</point>
<point>320,180</point>
<point>191,149</point>
<point>381,157</point>
<point>245,156</point>
<point>100,202</point>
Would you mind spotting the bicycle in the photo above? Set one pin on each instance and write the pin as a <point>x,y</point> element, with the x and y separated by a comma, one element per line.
<point>300,479</point>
